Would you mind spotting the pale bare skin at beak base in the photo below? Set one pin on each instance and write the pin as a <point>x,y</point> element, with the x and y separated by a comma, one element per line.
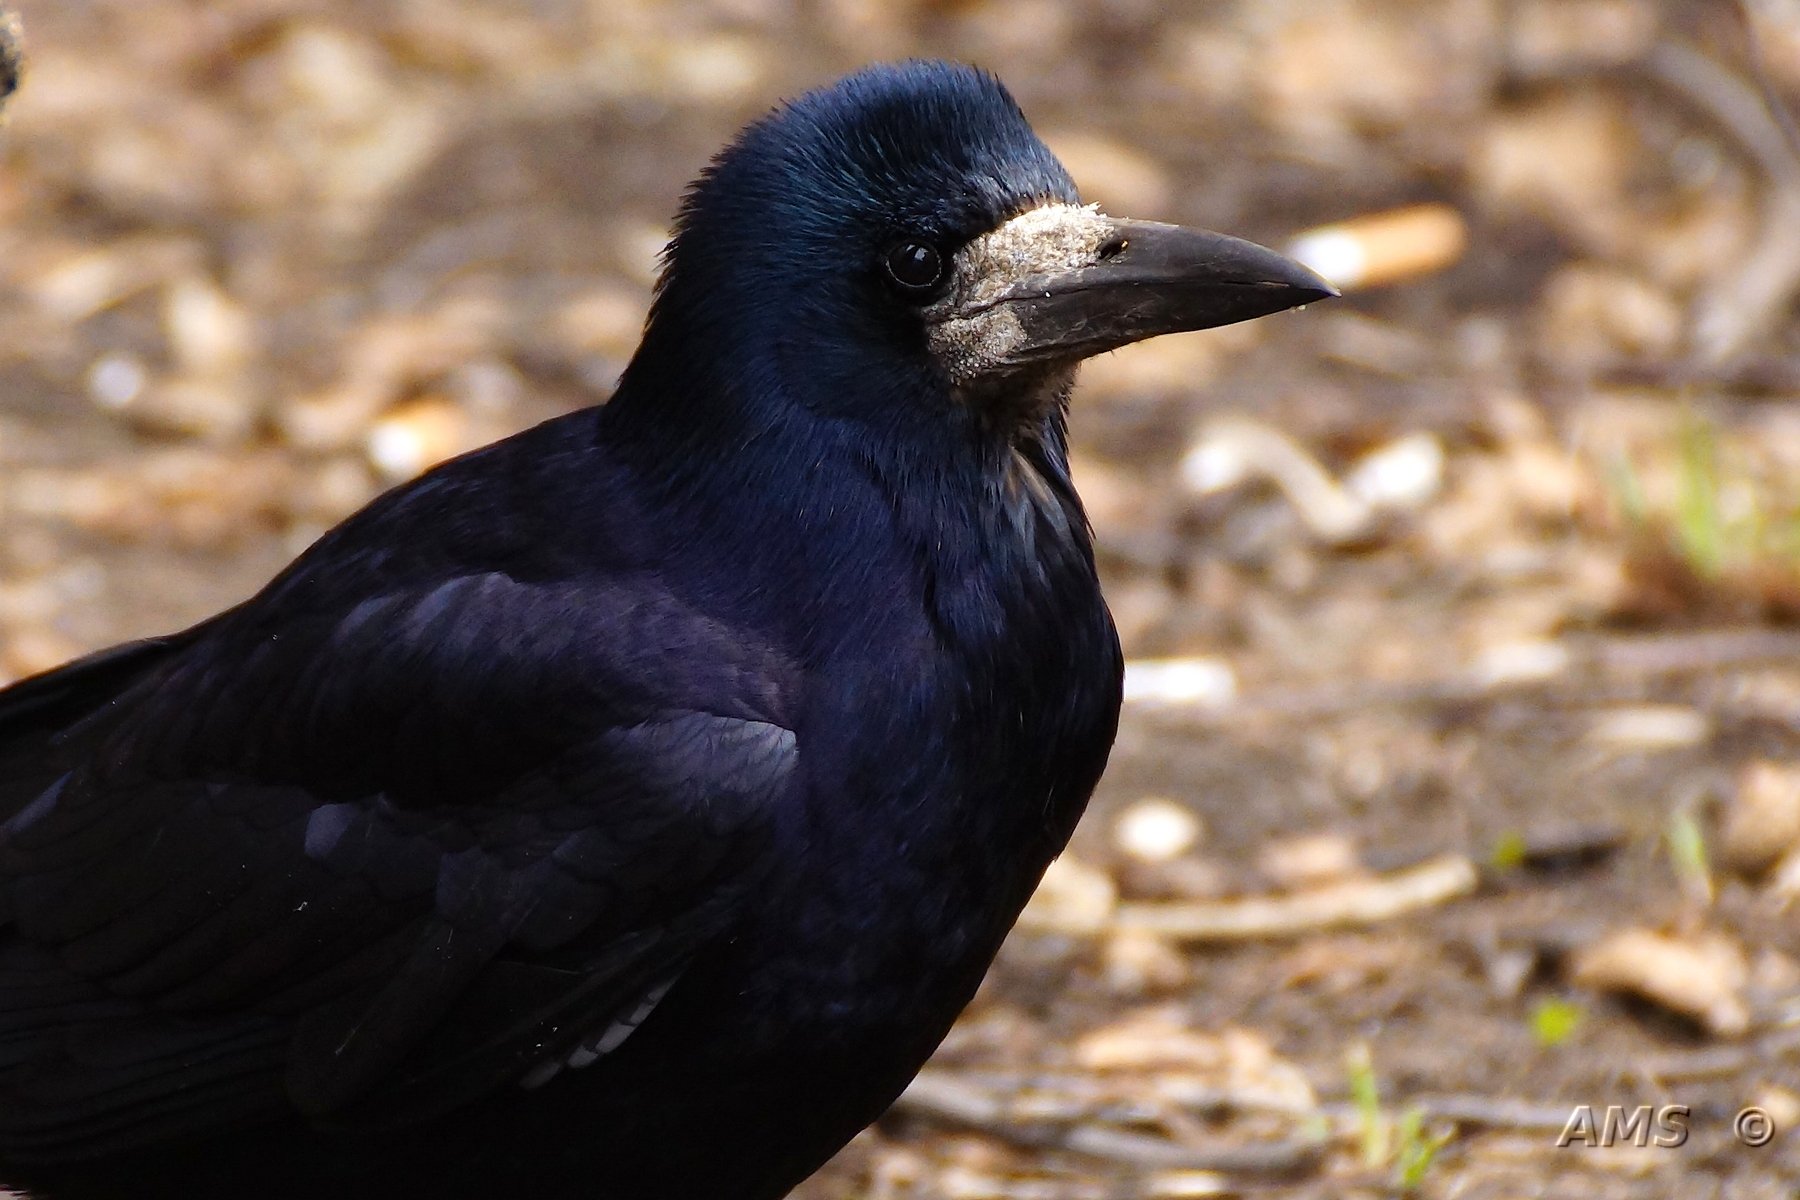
<point>1063,282</point>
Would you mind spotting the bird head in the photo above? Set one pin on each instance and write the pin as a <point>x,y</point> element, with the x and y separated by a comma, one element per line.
<point>899,247</point>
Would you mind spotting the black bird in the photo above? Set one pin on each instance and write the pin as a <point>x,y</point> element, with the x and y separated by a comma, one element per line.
<point>624,810</point>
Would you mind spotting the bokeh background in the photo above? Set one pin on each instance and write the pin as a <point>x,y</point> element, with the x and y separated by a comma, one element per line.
<point>1458,785</point>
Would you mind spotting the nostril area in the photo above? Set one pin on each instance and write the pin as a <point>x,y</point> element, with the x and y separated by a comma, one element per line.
<point>1113,246</point>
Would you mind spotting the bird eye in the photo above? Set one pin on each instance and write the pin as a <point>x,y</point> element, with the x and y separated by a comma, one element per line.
<point>914,267</point>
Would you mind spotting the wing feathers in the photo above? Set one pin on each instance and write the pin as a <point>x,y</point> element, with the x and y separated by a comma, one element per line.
<point>341,1049</point>
<point>373,868</point>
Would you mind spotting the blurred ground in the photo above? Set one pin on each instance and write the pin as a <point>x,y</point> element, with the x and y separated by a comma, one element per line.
<point>1470,795</point>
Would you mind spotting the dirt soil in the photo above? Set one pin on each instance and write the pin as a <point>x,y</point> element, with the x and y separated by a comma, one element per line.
<point>1457,790</point>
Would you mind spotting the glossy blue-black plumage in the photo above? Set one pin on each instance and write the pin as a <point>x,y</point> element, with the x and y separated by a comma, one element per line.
<point>745,710</point>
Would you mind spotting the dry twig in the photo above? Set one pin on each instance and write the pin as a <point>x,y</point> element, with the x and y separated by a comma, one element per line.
<point>942,1096</point>
<point>1356,902</point>
<point>1746,301</point>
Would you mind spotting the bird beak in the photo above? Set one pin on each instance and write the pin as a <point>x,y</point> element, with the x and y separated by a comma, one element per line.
<point>1148,279</point>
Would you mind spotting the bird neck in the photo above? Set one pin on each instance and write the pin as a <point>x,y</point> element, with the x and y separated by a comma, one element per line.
<point>942,509</point>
